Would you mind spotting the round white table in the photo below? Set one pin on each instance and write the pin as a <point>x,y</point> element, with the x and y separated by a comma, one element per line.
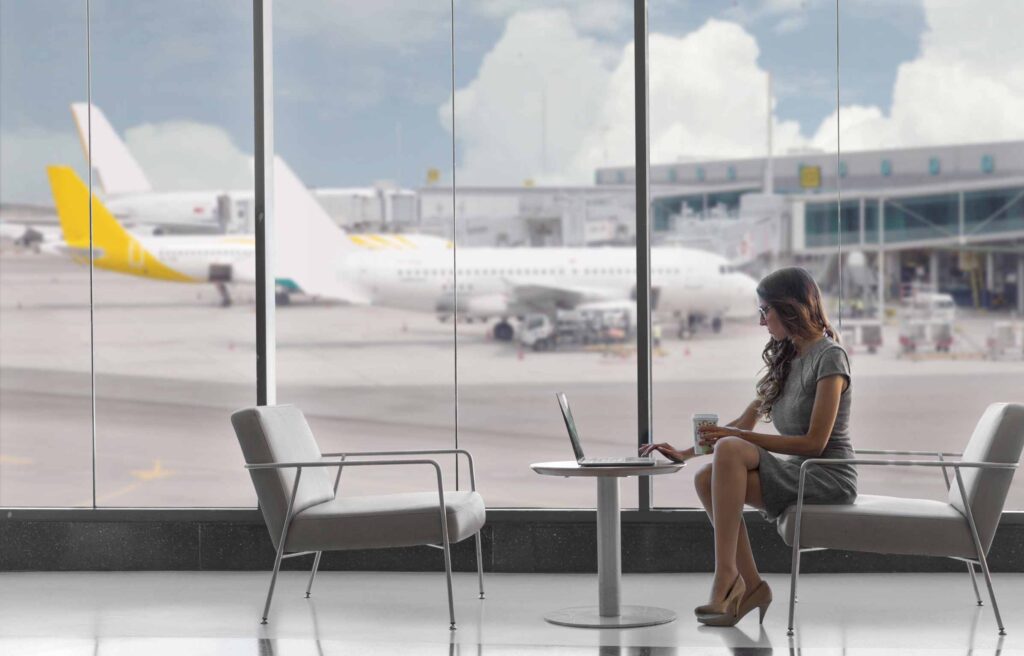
<point>609,613</point>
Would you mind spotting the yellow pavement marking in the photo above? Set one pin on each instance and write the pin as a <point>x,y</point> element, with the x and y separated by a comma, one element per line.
<point>141,475</point>
<point>14,460</point>
<point>151,474</point>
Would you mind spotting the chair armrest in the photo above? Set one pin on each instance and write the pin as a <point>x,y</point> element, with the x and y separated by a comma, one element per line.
<point>906,453</point>
<point>937,454</point>
<point>907,463</point>
<point>457,452</point>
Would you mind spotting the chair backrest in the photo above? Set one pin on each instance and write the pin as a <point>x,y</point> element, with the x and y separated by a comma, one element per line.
<point>998,437</point>
<point>279,433</point>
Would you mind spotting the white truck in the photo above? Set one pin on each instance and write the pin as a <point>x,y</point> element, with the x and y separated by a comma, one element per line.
<point>596,323</point>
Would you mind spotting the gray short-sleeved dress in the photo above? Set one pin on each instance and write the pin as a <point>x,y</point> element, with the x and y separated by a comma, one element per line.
<point>791,415</point>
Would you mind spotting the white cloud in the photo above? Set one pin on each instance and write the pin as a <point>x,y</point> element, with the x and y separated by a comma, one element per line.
<point>180,155</point>
<point>24,156</point>
<point>966,85</point>
<point>707,96</point>
<point>532,102</point>
<point>707,100</point>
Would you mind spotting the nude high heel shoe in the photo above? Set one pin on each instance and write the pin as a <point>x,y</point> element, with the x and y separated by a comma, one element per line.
<point>760,597</point>
<point>725,612</point>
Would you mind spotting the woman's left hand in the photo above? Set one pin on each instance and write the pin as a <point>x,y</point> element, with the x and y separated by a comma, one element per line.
<point>711,434</point>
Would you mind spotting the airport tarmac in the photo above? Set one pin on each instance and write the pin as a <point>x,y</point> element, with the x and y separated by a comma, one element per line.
<point>171,365</point>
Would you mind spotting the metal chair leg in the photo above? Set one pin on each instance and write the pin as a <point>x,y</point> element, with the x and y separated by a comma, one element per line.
<point>480,564</point>
<point>448,576</point>
<point>273,580</point>
<point>281,543</point>
<point>793,576</point>
<point>974,582</point>
<point>312,575</point>
<point>981,553</point>
<point>991,592</point>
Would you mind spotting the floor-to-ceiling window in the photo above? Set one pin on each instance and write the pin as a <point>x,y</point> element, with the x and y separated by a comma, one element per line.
<point>155,348</point>
<point>170,131</point>
<point>546,271</point>
<point>45,423</point>
<point>737,97</point>
<point>365,339</point>
<point>929,130</point>
<point>456,229</point>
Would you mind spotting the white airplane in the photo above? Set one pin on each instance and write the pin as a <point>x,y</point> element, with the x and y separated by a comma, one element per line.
<point>493,282</point>
<point>127,191</point>
<point>129,195</point>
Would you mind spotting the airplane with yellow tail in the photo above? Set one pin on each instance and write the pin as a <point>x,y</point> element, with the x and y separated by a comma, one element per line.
<point>220,259</point>
<point>210,259</point>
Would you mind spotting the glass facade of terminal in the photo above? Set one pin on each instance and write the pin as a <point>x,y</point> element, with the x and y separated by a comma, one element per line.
<point>456,232</point>
<point>946,217</point>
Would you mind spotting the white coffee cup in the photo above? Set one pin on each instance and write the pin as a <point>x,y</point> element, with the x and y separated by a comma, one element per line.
<point>703,419</point>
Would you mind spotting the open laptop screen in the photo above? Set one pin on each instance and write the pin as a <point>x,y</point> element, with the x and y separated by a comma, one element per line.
<point>570,425</point>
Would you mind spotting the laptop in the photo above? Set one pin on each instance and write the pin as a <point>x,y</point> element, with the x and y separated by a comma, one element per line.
<point>583,461</point>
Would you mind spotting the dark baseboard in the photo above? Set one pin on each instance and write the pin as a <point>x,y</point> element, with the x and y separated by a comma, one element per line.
<point>513,541</point>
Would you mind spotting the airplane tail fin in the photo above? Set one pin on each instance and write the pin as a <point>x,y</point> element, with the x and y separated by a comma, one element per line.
<point>70,195</point>
<point>113,164</point>
<point>114,247</point>
<point>310,246</point>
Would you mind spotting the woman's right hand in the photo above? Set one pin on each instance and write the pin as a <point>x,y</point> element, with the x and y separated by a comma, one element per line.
<point>667,450</point>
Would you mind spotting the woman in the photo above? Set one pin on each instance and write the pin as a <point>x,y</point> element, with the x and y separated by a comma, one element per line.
<point>805,393</point>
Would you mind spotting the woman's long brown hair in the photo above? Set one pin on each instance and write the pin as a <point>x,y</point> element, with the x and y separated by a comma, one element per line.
<point>794,297</point>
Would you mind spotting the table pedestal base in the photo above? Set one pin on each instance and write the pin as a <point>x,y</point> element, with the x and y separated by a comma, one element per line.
<point>588,617</point>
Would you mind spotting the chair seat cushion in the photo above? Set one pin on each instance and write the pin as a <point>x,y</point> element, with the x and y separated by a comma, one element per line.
<point>880,524</point>
<point>386,520</point>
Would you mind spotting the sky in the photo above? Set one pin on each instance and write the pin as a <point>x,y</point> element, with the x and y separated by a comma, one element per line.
<point>543,90</point>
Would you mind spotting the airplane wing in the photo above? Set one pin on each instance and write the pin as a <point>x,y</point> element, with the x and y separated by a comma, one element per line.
<point>534,297</point>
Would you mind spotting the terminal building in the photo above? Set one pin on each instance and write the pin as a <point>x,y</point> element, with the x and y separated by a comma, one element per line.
<point>949,218</point>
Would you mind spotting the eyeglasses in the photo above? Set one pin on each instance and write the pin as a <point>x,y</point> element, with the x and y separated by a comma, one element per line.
<point>763,309</point>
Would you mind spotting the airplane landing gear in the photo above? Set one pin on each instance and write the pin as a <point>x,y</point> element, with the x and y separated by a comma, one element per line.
<point>225,296</point>
<point>503,331</point>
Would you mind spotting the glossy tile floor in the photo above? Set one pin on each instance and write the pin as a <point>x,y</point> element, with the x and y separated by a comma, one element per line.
<point>405,613</point>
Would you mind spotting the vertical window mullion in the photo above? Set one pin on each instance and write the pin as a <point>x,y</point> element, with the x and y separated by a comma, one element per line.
<point>643,241</point>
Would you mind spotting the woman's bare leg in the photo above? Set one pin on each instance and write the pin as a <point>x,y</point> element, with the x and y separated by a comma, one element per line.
<point>733,459</point>
<point>744,554</point>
